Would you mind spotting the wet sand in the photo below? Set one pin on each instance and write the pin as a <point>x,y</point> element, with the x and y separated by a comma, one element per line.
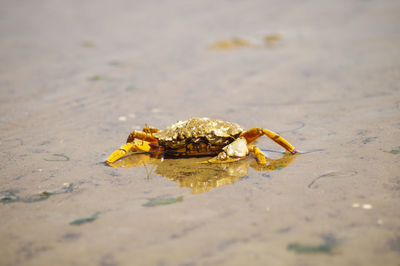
<point>77,77</point>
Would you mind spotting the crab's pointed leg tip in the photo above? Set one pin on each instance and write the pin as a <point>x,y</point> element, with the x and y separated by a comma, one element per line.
<point>115,156</point>
<point>118,154</point>
<point>107,163</point>
<point>294,152</point>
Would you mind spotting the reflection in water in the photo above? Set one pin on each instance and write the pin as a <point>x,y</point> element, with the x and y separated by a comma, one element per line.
<point>191,173</point>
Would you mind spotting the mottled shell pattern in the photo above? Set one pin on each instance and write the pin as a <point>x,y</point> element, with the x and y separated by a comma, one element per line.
<point>195,130</point>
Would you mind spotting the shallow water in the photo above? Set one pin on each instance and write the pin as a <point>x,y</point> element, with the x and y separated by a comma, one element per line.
<point>77,77</point>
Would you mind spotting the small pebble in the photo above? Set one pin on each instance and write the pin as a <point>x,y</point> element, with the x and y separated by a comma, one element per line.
<point>89,44</point>
<point>367,206</point>
<point>379,222</point>
<point>364,206</point>
<point>122,118</point>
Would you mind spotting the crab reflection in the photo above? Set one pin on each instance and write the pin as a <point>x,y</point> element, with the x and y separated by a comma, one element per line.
<point>199,177</point>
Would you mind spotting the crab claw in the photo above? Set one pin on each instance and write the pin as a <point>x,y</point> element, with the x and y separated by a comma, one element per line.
<point>121,152</point>
<point>232,152</point>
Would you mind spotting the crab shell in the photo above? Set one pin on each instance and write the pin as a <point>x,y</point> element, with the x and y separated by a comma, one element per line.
<point>213,133</point>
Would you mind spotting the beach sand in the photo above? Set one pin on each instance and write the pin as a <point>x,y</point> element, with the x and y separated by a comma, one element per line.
<point>76,77</point>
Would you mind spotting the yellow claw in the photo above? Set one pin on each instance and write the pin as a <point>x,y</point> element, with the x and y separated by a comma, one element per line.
<point>141,145</point>
<point>121,152</point>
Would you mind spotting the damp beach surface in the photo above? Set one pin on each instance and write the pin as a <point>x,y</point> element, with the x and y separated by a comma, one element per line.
<point>77,77</point>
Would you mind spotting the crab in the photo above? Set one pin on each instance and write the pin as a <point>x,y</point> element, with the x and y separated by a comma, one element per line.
<point>226,141</point>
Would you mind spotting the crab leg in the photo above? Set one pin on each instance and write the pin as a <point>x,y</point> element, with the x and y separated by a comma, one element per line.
<point>143,136</point>
<point>148,129</point>
<point>261,159</point>
<point>254,133</point>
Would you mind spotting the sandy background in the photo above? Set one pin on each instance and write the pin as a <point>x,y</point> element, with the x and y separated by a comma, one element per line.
<point>77,76</point>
